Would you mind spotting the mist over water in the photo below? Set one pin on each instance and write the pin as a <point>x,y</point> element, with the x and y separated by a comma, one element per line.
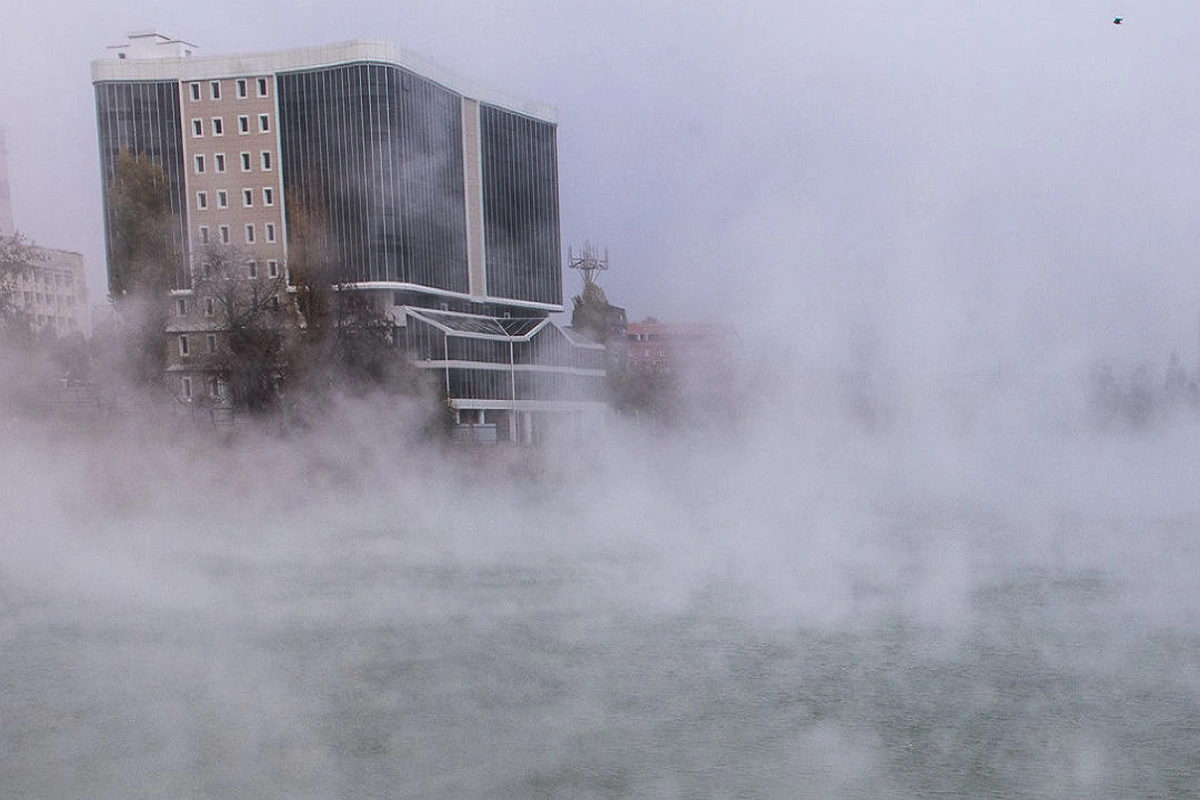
<point>918,565</point>
<point>975,605</point>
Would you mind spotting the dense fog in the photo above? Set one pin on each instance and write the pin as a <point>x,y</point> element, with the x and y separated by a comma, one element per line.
<point>983,598</point>
<point>933,536</point>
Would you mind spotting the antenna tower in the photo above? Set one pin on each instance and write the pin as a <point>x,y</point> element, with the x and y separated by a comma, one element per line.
<point>587,261</point>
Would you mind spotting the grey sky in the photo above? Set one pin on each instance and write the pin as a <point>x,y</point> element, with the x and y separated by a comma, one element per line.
<point>941,181</point>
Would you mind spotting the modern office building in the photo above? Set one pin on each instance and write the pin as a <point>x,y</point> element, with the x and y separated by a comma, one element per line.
<point>439,201</point>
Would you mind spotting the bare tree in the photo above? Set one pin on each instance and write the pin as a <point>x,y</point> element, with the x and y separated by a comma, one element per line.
<point>250,318</point>
<point>18,257</point>
<point>344,342</point>
<point>145,256</point>
<point>144,262</point>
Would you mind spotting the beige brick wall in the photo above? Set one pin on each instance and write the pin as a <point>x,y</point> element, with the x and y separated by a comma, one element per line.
<point>260,179</point>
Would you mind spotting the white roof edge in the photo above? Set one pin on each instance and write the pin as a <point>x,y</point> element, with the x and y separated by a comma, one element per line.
<point>474,298</point>
<point>251,64</point>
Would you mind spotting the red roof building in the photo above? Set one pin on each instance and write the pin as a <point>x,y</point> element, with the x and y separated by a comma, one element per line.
<point>663,345</point>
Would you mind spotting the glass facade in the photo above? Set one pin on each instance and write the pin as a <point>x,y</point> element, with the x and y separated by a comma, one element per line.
<point>520,206</point>
<point>524,360</point>
<point>144,118</point>
<point>379,150</point>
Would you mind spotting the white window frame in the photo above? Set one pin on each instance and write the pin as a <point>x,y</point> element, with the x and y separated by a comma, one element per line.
<point>245,162</point>
<point>242,89</point>
<point>214,90</point>
<point>197,128</point>
<point>268,195</point>
<point>252,269</point>
<point>219,162</point>
<point>195,91</point>
<point>180,306</point>
<point>218,126</point>
<point>185,385</point>
<point>264,123</point>
<point>243,124</point>
<point>261,86</point>
<point>266,161</point>
<point>272,268</point>
<point>249,233</point>
<point>222,198</point>
<point>210,340</point>
<point>203,234</point>
<point>184,349</point>
<point>198,163</point>
<point>247,198</point>
<point>224,231</point>
<point>201,201</point>
<point>270,232</point>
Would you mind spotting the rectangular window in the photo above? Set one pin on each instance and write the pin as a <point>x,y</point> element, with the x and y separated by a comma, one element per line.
<point>262,87</point>
<point>210,339</point>
<point>186,386</point>
<point>245,162</point>
<point>183,344</point>
<point>241,87</point>
<point>199,164</point>
<point>180,307</point>
<point>201,200</point>
<point>270,231</point>
<point>222,198</point>
<point>197,127</point>
<point>218,126</point>
<point>203,234</point>
<point>214,90</point>
<point>264,123</point>
<point>272,269</point>
<point>243,124</point>
<point>247,198</point>
<point>219,161</point>
<point>195,91</point>
<point>266,160</point>
<point>250,234</point>
<point>252,269</point>
<point>268,196</point>
<point>224,234</point>
<point>210,307</point>
<point>214,386</point>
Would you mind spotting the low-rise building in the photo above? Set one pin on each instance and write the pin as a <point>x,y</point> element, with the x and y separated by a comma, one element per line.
<point>52,291</point>
<point>665,345</point>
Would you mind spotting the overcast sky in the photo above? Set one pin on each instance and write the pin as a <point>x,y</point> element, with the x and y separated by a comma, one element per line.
<point>941,180</point>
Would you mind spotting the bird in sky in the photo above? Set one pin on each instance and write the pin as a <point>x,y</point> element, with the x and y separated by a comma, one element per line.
<point>1117,20</point>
